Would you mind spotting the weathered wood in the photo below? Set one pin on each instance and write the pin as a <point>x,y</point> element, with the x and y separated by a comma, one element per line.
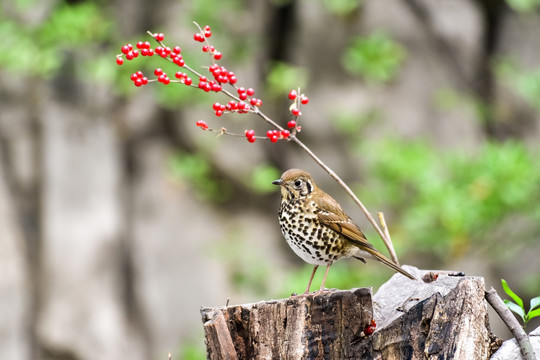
<point>314,326</point>
<point>443,319</point>
<point>510,349</point>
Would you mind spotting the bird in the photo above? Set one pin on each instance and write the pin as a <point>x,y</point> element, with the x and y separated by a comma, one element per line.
<point>317,228</point>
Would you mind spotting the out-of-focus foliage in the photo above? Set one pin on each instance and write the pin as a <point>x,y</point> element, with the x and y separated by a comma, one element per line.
<point>375,57</point>
<point>342,7</point>
<point>524,6</point>
<point>262,177</point>
<point>39,48</point>
<point>525,83</point>
<point>447,202</point>
<point>195,171</point>
<point>283,77</point>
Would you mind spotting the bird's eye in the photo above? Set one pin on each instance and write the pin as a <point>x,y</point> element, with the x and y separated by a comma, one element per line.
<point>297,183</point>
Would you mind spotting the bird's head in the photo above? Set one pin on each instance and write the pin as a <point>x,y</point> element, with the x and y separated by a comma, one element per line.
<point>295,184</point>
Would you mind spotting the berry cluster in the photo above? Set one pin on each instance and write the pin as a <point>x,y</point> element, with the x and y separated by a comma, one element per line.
<point>242,100</point>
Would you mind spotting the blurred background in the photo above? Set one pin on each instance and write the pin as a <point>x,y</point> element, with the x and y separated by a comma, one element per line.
<point>119,218</point>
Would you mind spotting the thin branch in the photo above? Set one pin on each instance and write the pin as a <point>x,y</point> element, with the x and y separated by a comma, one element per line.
<point>506,315</point>
<point>387,234</point>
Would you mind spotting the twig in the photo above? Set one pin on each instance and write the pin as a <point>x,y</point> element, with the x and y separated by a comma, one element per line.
<point>387,234</point>
<point>521,336</point>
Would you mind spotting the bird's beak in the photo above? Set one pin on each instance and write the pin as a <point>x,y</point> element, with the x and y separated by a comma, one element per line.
<point>277,182</point>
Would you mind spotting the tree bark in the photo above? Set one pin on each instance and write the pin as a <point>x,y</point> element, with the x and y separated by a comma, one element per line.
<point>443,317</point>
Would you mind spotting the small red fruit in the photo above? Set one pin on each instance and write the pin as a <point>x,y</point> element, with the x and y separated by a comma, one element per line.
<point>292,95</point>
<point>119,60</point>
<point>198,37</point>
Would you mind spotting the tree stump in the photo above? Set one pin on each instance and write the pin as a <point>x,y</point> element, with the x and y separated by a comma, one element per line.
<point>441,319</point>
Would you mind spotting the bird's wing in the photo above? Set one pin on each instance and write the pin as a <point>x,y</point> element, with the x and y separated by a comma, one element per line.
<point>332,215</point>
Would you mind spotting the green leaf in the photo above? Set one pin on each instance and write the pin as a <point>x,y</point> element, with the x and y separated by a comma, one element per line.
<point>533,314</point>
<point>510,293</point>
<point>515,308</point>
<point>535,302</point>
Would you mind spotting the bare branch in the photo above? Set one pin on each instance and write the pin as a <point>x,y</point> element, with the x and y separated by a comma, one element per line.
<point>506,315</point>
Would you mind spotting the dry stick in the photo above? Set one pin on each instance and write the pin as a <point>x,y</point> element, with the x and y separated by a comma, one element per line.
<point>387,234</point>
<point>512,324</point>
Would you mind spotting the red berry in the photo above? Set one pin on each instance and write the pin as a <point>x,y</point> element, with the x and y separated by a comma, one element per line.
<point>216,106</point>
<point>291,124</point>
<point>241,90</point>
<point>144,80</point>
<point>177,50</point>
<point>130,56</point>
<point>250,133</point>
<point>304,99</point>
<point>139,74</point>
<point>134,77</point>
<point>188,81</point>
<point>159,37</point>
<point>198,37</point>
<point>250,92</point>
<point>125,49</point>
<point>285,134</point>
<point>150,52</point>
<point>233,79</point>
<point>296,112</point>
<point>251,139</point>
<point>158,72</point>
<point>217,55</point>
<point>202,124</point>
<point>243,96</point>
<point>179,75</point>
<point>219,113</point>
<point>119,60</point>
<point>292,95</point>
<point>140,45</point>
<point>205,48</point>
<point>138,82</point>
<point>147,45</point>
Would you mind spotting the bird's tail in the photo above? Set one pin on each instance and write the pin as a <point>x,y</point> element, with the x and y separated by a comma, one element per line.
<point>380,257</point>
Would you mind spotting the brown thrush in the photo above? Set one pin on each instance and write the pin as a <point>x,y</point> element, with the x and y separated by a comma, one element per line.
<point>318,229</point>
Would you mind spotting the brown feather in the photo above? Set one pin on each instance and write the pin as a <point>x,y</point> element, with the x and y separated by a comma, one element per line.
<point>333,216</point>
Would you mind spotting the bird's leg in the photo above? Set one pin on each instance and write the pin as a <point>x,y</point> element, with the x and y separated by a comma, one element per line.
<point>324,278</point>
<point>311,278</point>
